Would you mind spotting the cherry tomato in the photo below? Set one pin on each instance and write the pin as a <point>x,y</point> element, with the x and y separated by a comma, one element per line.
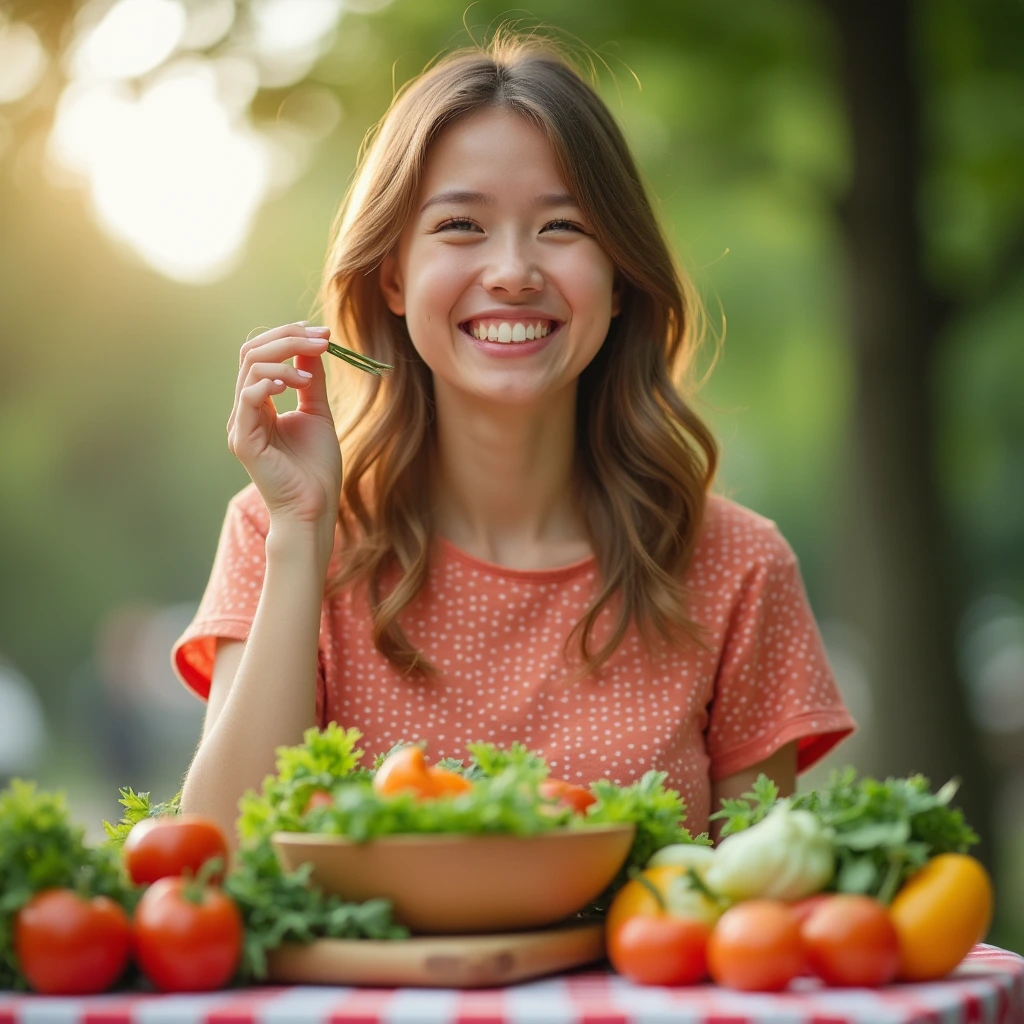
<point>317,799</point>
<point>661,950</point>
<point>70,946</point>
<point>802,909</point>
<point>406,771</point>
<point>184,946</point>
<point>164,847</point>
<point>756,947</point>
<point>850,941</point>
<point>579,798</point>
<point>634,899</point>
<point>939,914</point>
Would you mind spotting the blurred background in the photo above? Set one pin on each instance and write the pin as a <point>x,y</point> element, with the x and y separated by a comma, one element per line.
<point>842,180</point>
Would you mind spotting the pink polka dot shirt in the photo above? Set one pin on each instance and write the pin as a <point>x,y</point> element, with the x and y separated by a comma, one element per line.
<point>497,635</point>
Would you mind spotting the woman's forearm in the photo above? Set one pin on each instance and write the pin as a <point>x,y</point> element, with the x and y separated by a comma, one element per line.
<point>272,699</point>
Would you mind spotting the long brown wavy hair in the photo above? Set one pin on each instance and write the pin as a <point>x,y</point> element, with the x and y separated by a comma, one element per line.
<point>644,461</point>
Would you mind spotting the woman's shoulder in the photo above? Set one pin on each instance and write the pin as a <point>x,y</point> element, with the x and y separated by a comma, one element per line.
<point>739,537</point>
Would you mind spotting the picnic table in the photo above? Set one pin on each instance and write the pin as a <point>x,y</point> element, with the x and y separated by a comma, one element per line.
<point>987,988</point>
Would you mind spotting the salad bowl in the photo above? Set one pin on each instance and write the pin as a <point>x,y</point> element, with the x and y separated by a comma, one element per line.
<point>449,884</point>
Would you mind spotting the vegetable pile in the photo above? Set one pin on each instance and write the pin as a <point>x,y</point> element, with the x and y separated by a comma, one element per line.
<point>156,904</point>
<point>859,883</point>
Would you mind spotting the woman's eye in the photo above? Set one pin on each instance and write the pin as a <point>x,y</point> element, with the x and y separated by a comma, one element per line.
<point>457,224</point>
<point>564,225</point>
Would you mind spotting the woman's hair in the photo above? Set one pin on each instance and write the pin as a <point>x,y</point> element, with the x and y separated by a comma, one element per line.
<point>644,459</point>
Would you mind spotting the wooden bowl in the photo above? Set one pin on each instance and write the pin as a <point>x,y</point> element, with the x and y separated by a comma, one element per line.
<point>452,884</point>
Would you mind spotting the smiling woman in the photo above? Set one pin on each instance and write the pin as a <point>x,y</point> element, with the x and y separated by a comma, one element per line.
<point>522,546</point>
<point>505,252</point>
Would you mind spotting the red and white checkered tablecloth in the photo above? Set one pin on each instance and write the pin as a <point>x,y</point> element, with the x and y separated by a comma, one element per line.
<point>987,988</point>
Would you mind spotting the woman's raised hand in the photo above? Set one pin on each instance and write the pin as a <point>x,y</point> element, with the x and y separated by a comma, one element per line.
<point>294,458</point>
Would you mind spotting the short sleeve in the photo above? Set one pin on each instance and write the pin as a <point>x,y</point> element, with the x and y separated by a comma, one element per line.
<point>774,684</point>
<point>228,605</point>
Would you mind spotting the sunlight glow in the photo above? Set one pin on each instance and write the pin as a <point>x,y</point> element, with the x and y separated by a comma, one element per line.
<point>22,61</point>
<point>160,136</point>
<point>168,173</point>
<point>208,24</point>
<point>290,36</point>
<point>283,25</point>
<point>133,37</point>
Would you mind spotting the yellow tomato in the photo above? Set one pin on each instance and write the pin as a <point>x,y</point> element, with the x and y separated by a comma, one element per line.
<point>672,883</point>
<point>939,914</point>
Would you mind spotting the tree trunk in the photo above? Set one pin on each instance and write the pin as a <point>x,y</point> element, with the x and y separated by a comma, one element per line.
<point>901,582</point>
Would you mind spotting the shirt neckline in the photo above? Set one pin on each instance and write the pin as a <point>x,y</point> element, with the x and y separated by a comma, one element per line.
<point>552,575</point>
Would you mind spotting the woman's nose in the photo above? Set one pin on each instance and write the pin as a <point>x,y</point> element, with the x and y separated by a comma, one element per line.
<point>513,269</point>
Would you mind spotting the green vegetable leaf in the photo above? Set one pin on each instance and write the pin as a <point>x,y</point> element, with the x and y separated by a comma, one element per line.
<point>750,808</point>
<point>487,760</point>
<point>138,807</point>
<point>658,814</point>
<point>41,849</point>
<point>858,875</point>
<point>279,907</point>
<point>882,831</point>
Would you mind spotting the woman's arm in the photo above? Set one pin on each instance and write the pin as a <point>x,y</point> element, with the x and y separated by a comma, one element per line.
<point>780,768</point>
<point>263,693</point>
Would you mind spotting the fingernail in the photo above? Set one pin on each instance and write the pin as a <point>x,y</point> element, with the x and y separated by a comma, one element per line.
<point>278,382</point>
<point>304,373</point>
<point>318,330</point>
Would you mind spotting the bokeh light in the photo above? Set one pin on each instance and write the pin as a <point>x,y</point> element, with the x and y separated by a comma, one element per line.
<point>23,60</point>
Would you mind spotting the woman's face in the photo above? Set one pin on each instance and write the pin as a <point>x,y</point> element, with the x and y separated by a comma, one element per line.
<point>505,291</point>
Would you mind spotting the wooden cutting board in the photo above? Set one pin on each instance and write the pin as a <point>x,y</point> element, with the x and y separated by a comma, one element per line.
<point>449,961</point>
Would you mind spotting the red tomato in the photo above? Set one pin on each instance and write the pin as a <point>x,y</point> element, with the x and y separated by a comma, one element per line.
<point>849,940</point>
<point>803,909</point>
<point>70,946</point>
<point>577,797</point>
<point>660,950</point>
<point>183,946</point>
<point>317,799</point>
<point>756,947</point>
<point>164,847</point>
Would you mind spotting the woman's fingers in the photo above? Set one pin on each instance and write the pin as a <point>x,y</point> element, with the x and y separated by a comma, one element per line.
<point>313,397</point>
<point>274,347</point>
<point>243,427</point>
<point>278,349</point>
<point>274,334</point>
<point>291,375</point>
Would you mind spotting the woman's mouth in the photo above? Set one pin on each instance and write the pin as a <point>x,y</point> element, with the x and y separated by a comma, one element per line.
<point>509,332</point>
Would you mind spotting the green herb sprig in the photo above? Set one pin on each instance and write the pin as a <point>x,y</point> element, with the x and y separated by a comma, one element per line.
<point>136,807</point>
<point>358,360</point>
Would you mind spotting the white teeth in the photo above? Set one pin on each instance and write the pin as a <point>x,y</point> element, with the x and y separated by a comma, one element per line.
<point>506,332</point>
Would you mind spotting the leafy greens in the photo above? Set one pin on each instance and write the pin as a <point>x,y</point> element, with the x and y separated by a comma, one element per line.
<point>503,800</point>
<point>41,849</point>
<point>882,832</point>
